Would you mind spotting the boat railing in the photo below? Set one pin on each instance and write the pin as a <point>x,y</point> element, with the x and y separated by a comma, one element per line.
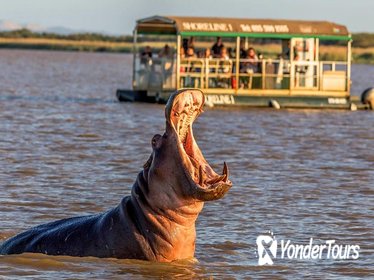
<point>221,73</point>
<point>264,74</point>
<point>304,75</point>
<point>192,72</point>
<point>206,73</point>
<point>154,73</point>
<point>334,76</point>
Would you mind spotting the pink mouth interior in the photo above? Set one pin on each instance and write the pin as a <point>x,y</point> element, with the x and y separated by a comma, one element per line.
<point>185,108</point>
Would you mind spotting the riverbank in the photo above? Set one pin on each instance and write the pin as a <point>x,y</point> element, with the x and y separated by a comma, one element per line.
<point>362,55</point>
<point>64,45</point>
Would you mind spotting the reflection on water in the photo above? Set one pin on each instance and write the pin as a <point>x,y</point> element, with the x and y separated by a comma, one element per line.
<point>68,148</point>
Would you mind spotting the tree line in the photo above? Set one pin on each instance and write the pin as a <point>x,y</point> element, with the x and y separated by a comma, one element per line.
<point>360,40</point>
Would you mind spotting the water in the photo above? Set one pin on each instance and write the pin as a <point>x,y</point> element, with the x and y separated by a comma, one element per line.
<point>68,148</point>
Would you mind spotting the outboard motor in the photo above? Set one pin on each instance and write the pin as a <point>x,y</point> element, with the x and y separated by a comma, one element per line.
<point>367,97</point>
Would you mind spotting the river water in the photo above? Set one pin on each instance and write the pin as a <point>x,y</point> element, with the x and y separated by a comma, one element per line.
<point>68,148</point>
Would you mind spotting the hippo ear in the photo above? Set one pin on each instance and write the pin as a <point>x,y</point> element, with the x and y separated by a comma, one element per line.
<point>215,192</point>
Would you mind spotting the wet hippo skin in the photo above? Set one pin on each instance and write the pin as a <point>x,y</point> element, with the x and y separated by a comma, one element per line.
<point>157,221</point>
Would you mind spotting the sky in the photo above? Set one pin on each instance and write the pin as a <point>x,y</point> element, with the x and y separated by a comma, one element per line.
<point>119,16</point>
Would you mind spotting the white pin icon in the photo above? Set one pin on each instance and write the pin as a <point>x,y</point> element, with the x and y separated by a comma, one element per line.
<point>266,249</point>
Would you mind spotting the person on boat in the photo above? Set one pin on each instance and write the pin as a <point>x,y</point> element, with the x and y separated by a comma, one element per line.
<point>224,67</point>
<point>297,49</point>
<point>191,43</point>
<point>224,64</point>
<point>286,51</point>
<point>185,44</point>
<point>249,66</point>
<point>165,52</point>
<point>200,54</point>
<point>242,50</point>
<point>231,52</point>
<point>190,60</point>
<point>208,53</point>
<point>190,53</point>
<point>166,56</point>
<point>252,63</point>
<point>182,53</point>
<point>146,55</point>
<point>188,43</point>
<point>217,47</point>
<point>224,54</point>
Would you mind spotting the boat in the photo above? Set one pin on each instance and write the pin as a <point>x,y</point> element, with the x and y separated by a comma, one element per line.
<point>297,76</point>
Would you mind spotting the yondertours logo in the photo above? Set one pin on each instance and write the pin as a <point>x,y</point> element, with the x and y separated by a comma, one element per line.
<point>268,247</point>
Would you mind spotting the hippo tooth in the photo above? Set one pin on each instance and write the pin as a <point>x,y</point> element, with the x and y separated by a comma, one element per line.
<point>223,177</point>
<point>225,171</point>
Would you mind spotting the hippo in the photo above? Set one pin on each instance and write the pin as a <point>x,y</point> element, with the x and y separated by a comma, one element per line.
<point>157,221</point>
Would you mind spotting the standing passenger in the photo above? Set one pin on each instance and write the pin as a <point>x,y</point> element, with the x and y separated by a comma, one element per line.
<point>242,50</point>
<point>165,52</point>
<point>191,43</point>
<point>216,48</point>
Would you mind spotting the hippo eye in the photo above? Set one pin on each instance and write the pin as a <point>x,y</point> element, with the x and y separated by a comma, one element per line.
<point>155,140</point>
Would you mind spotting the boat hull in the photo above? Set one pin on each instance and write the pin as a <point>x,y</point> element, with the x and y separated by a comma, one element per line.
<point>251,100</point>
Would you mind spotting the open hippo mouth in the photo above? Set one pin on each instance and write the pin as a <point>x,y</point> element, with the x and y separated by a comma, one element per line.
<point>181,111</point>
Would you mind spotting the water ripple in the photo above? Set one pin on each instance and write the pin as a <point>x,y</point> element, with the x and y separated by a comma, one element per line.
<point>67,148</point>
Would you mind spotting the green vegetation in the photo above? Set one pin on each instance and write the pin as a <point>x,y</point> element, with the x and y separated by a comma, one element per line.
<point>363,40</point>
<point>25,33</point>
<point>363,44</point>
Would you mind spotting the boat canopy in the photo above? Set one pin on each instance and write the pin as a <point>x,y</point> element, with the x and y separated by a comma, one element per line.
<point>232,27</point>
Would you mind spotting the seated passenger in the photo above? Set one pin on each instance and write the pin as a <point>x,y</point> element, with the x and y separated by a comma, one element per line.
<point>190,53</point>
<point>251,64</point>
<point>192,66</point>
<point>208,54</point>
<point>224,67</point>
<point>182,53</point>
<point>216,48</point>
<point>231,52</point>
<point>224,79</point>
<point>200,54</point>
<point>224,54</point>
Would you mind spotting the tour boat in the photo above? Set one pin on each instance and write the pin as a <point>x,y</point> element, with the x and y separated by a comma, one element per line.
<point>287,71</point>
